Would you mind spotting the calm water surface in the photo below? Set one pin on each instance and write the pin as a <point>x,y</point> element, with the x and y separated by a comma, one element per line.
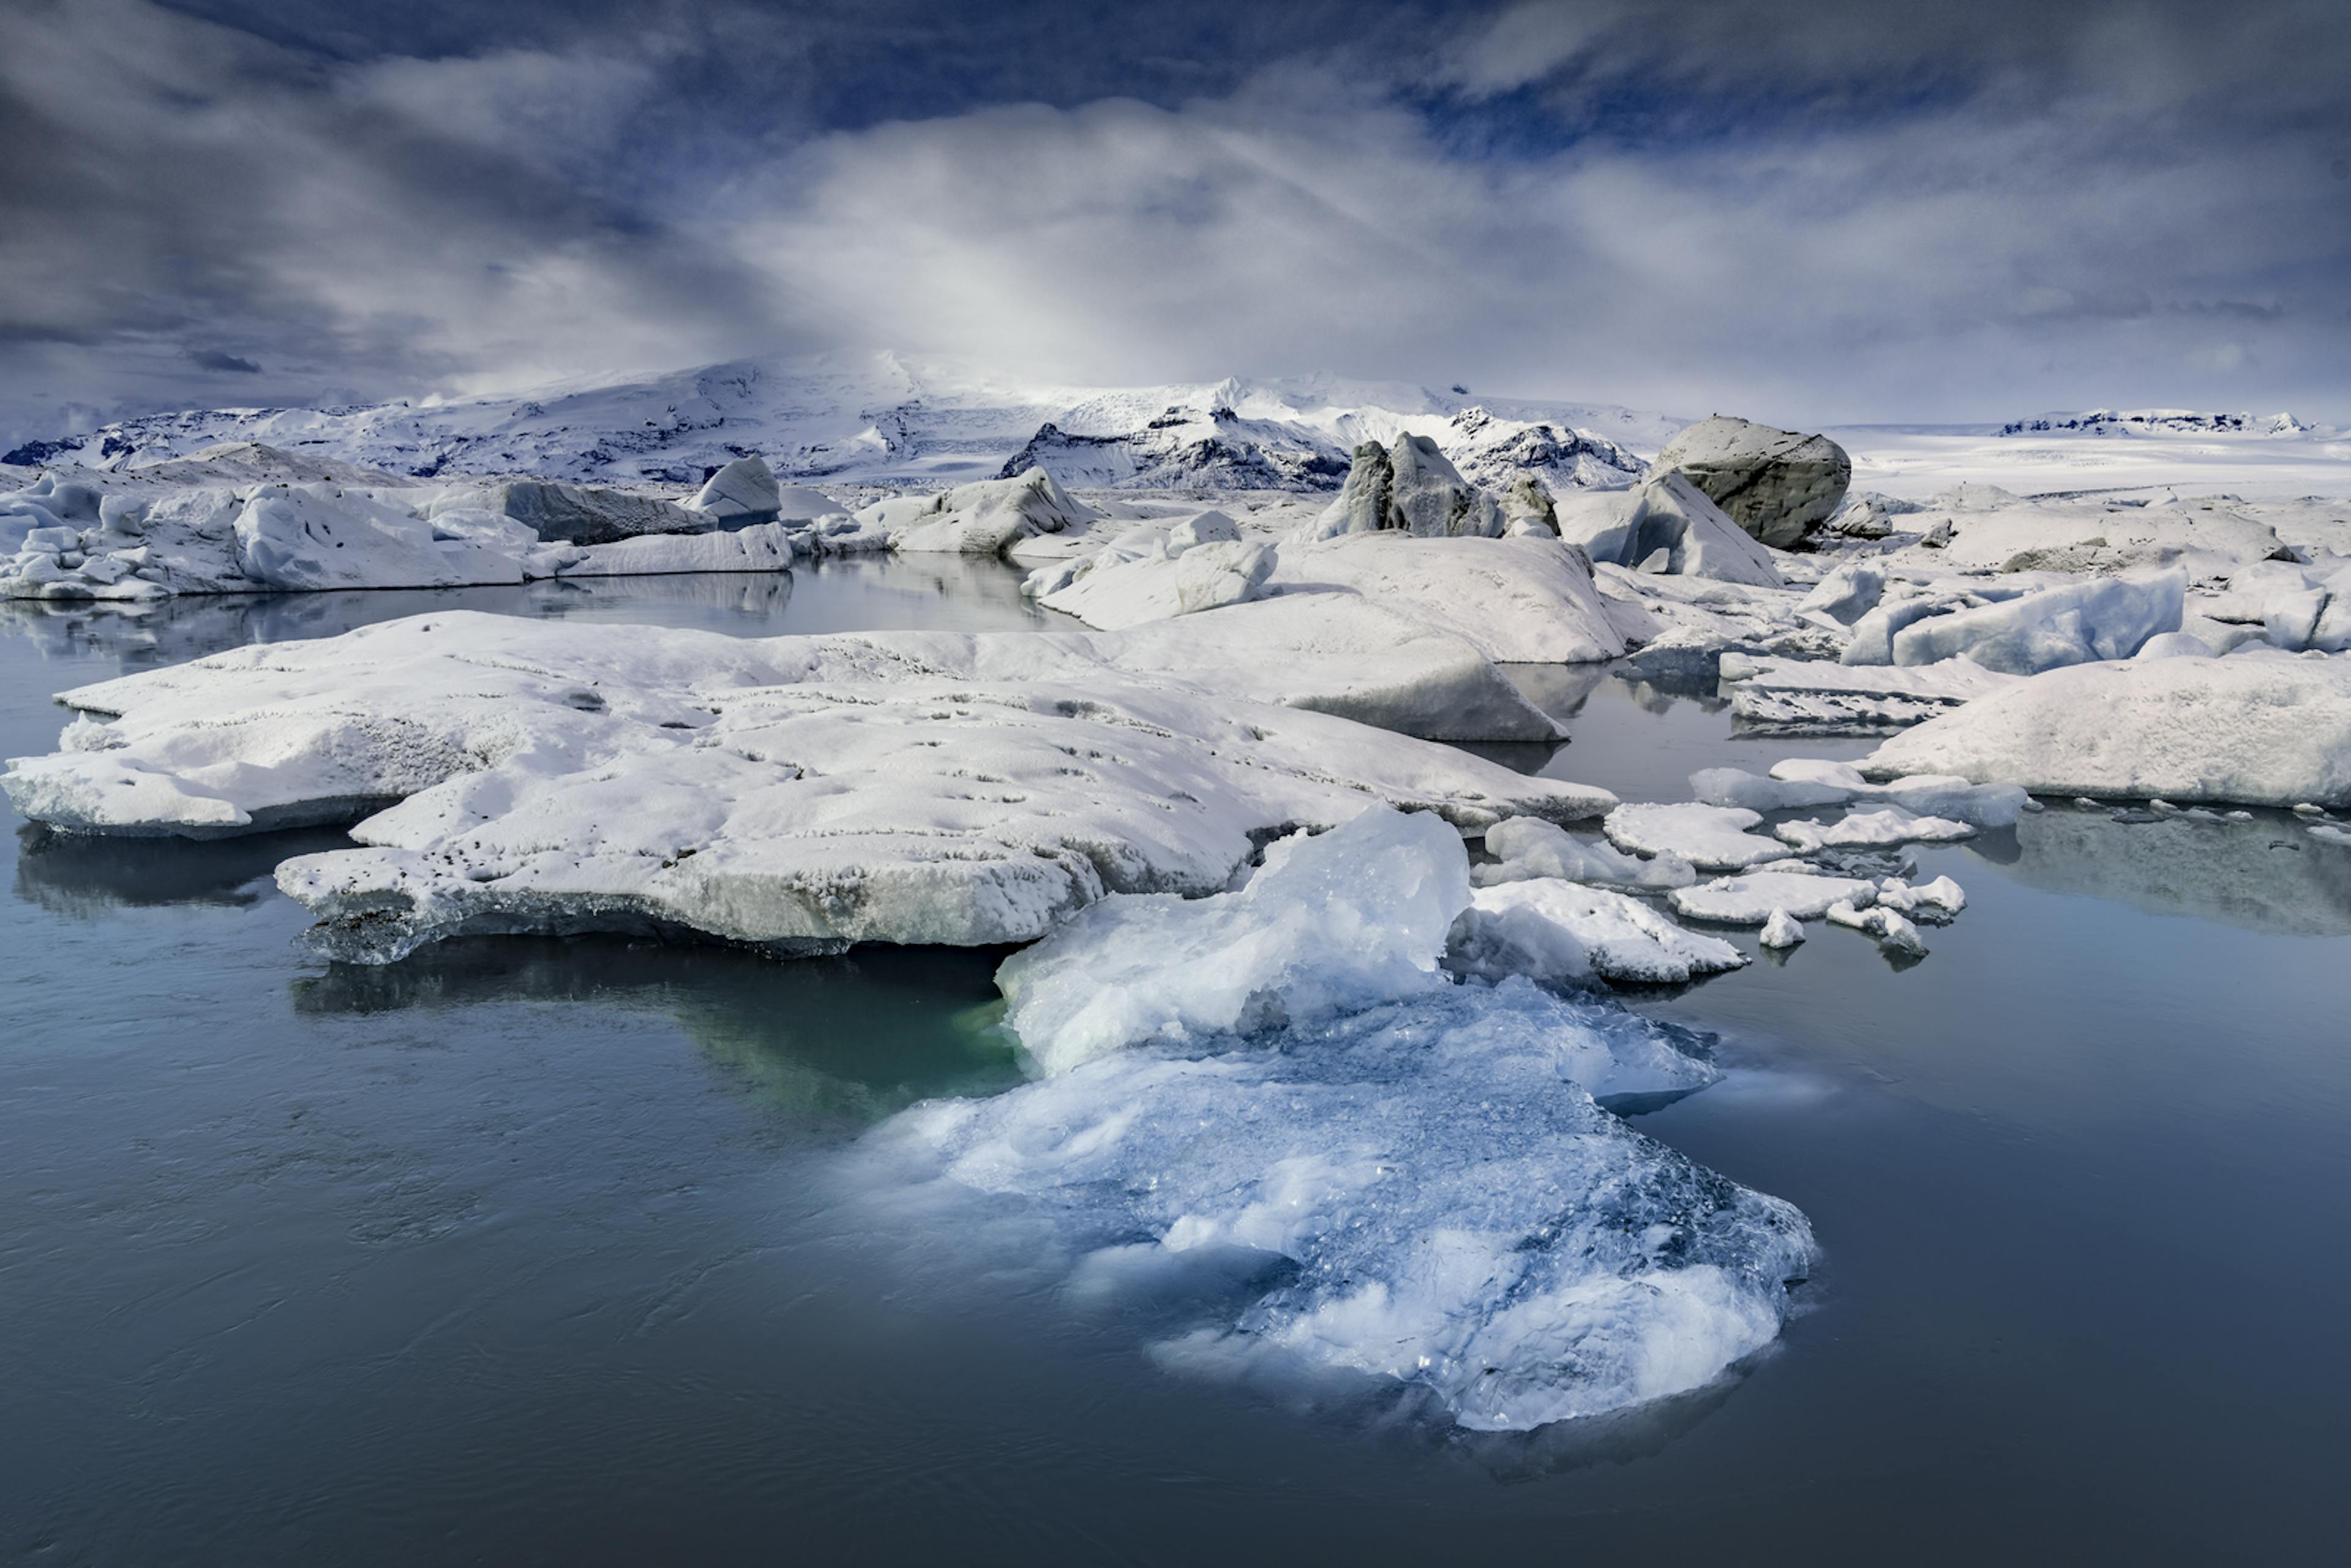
<point>520,1251</point>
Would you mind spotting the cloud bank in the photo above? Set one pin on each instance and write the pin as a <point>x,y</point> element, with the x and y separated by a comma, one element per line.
<point>1820,213</point>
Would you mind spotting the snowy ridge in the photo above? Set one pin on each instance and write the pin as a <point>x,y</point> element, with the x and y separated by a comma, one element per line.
<point>879,420</point>
<point>2160,422</point>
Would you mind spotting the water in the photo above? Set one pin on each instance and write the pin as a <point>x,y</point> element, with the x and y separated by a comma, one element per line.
<point>522,1250</point>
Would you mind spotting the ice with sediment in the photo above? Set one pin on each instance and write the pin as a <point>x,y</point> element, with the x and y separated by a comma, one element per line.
<point>1711,837</point>
<point>1333,922</point>
<point>1565,934</point>
<point>1871,830</point>
<point>1820,697</point>
<point>1528,847</point>
<point>2257,728</point>
<point>890,786</point>
<point>1751,899</point>
<point>1450,1211</point>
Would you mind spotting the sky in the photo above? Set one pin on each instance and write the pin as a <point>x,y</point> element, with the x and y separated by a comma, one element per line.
<point>1812,213</point>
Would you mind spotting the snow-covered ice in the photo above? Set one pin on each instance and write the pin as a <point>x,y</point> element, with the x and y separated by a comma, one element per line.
<point>1870,830</point>
<point>1565,934</point>
<point>1781,931</point>
<point>1711,837</point>
<point>890,787</point>
<point>2255,728</point>
<point>1894,932</point>
<point>1753,898</point>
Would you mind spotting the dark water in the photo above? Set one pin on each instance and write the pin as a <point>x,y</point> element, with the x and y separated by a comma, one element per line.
<point>520,1250</point>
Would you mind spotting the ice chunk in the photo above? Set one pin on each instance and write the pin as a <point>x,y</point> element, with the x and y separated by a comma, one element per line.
<point>984,518</point>
<point>2104,618</point>
<point>1847,594</point>
<point>1936,901</point>
<point>1894,932</point>
<point>743,491</point>
<point>1561,933</point>
<point>1871,830</point>
<point>2257,728</point>
<point>1712,837</point>
<point>1781,931</point>
<point>1752,899</point>
<point>1531,846</point>
<point>2174,645</point>
<point>1356,916</point>
<point>1457,1214</point>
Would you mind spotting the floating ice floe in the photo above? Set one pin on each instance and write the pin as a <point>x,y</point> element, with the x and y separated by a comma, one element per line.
<point>2256,729</point>
<point>1894,932</point>
<point>794,792</point>
<point>1452,1212</point>
<point>1870,830</point>
<point>1781,931</point>
<point>1711,837</point>
<point>1936,901</point>
<point>1565,934</point>
<point>1752,899</point>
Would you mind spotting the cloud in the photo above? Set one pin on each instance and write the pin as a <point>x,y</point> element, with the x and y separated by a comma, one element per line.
<point>214,359</point>
<point>1811,211</point>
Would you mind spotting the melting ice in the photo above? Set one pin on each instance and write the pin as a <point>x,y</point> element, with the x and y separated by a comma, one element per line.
<point>1422,1168</point>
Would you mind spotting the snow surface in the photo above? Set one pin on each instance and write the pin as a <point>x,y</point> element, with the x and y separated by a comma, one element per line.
<point>1871,830</point>
<point>1527,847</point>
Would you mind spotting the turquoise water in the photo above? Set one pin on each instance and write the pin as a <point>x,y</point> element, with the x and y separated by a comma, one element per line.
<point>526,1250</point>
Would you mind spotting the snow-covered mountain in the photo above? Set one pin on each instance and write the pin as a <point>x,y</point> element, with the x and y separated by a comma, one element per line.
<point>880,421</point>
<point>2158,421</point>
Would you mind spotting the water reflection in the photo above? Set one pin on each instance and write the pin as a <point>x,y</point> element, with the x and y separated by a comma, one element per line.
<point>849,1039</point>
<point>85,878</point>
<point>2264,875</point>
<point>941,593</point>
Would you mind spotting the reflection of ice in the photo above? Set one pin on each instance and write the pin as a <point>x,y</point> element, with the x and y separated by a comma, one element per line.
<point>84,877</point>
<point>849,1039</point>
<point>945,594</point>
<point>1421,1193</point>
<point>2262,875</point>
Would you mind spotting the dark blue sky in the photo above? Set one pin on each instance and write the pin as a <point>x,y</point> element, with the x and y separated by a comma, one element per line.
<point>1814,213</point>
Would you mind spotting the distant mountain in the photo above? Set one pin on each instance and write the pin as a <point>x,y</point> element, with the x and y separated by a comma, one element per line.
<point>2159,422</point>
<point>880,420</point>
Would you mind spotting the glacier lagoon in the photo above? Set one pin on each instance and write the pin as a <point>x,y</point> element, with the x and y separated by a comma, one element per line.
<point>529,1249</point>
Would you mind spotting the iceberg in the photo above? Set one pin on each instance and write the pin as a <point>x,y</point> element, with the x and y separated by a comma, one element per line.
<point>909,787</point>
<point>2256,729</point>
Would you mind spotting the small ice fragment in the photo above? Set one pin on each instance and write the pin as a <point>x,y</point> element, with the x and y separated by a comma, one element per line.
<point>1781,930</point>
<point>1893,934</point>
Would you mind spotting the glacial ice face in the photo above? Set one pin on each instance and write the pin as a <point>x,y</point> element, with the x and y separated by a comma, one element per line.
<point>2105,617</point>
<point>1449,1209</point>
<point>1354,916</point>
